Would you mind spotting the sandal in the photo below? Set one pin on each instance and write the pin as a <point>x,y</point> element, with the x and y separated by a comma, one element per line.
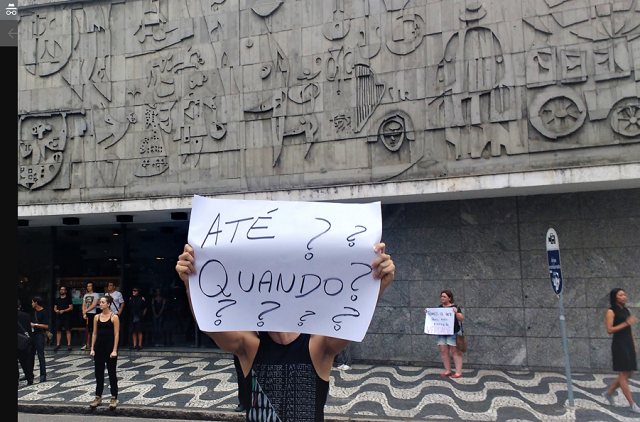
<point>446,374</point>
<point>456,376</point>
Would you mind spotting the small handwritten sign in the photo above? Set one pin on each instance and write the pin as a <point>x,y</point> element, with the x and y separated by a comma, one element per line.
<point>439,321</point>
<point>284,266</point>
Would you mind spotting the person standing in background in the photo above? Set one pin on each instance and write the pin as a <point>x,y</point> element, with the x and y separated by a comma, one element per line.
<point>104,349</point>
<point>24,356</point>
<point>63,308</point>
<point>157,306</point>
<point>89,306</point>
<point>117,306</point>
<point>448,343</point>
<point>39,325</point>
<point>624,349</point>
<point>137,312</point>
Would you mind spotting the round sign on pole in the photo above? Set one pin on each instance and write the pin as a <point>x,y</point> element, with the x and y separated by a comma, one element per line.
<point>553,258</point>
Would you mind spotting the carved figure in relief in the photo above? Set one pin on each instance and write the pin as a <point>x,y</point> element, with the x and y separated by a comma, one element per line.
<point>48,48</point>
<point>42,138</point>
<point>199,114</point>
<point>475,82</point>
<point>114,130</point>
<point>625,117</point>
<point>395,128</point>
<point>407,29</point>
<point>157,119</point>
<point>557,113</point>
<point>363,101</point>
<point>155,33</point>
<point>474,65</point>
<point>339,27</point>
<point>291,108</point>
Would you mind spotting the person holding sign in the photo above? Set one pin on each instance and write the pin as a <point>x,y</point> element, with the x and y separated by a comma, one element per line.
<point>623,346</point>
<point>448,343</point>
<point>286,374</point>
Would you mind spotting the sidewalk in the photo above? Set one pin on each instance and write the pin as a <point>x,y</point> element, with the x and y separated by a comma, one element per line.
<point>200,384</point>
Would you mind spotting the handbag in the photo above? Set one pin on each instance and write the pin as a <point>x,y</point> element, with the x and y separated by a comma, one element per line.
<point>23,338</point>
<point>461,341</point>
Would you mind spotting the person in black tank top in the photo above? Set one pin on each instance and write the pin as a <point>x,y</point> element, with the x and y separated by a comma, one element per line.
<point>106,329</point>
<point>286,374</point>
<point>624,349</point>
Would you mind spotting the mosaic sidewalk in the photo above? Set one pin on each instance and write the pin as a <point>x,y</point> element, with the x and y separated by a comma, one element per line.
<point>365,392</point>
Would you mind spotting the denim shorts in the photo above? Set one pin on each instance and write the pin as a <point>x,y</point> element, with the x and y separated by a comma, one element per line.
<point>447,340</point>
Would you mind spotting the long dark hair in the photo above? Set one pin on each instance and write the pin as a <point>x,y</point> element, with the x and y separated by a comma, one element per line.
<point>613,300</point>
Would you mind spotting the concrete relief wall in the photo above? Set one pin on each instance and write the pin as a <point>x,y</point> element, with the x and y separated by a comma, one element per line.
<point>128,99</point>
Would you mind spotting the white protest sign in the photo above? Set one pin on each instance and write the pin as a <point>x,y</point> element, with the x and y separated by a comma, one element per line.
<point>439,321</point>
<point>284,266</point>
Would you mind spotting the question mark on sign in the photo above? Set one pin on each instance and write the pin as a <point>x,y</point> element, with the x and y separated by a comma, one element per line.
<point>309,255</point>
<point>308,313</point>
<point>351,239</point>
<point>261,322</point>
<point>219,321</point>
<point>355,297</point>
<point>338,326</point>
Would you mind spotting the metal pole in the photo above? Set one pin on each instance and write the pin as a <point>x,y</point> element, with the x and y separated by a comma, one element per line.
<point>565,346</point>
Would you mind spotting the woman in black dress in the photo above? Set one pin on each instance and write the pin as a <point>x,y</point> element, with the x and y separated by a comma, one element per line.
<point>623,346</point>
<point>106,329</point>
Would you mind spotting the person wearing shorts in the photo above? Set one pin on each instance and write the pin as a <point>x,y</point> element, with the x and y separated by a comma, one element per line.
<point>447,344</point>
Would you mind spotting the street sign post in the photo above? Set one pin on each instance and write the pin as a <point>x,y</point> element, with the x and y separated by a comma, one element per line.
<point>555,273</point>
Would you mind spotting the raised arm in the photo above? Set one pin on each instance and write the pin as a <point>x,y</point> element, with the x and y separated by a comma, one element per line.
<point>324,349</point>
<point>243,344</point>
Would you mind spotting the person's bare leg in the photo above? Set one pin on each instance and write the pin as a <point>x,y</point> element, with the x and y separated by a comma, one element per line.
<point>68,337</point>
<point>446,360</point>
<point>457,359</point>
<point>58,338</point>
<point>624,386</point>
<point>614,385</point>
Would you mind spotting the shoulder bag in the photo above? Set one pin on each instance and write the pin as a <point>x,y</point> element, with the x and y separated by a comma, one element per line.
<point>461,341</point>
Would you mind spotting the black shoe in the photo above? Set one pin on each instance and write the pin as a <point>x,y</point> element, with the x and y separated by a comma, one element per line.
<point>240,408</point>
<point>30,382</point>
<point>43,379</point>
<point>139,348</point>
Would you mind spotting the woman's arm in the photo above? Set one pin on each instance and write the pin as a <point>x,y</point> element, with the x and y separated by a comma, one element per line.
<point>609,320</point>
<point>459,315</point>
<point>116,336</point>
<point>95,334</point>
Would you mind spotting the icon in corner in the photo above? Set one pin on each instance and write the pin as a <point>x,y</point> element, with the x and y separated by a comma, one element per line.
<point>11,9</point>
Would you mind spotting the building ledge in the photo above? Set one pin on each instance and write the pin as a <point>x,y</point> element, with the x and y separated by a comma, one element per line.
<point>152,210</point>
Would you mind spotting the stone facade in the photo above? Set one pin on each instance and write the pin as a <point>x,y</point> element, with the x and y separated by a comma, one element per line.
<point>491,254</point>
<point>160,98</point>
<point>122,103</point>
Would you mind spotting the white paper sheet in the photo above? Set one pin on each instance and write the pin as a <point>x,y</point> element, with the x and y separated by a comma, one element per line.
<point>439,321</point>
<point>284,266</point>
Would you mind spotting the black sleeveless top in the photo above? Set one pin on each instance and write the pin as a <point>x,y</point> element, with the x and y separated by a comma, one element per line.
<point>283,383</point>
<point>105,337</point>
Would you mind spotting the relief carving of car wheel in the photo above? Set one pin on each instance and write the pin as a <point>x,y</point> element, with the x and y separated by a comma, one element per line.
<point>557,112</point>
<point>625,117</point>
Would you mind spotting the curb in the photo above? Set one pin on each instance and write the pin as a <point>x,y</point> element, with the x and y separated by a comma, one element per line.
<point>152,413</point>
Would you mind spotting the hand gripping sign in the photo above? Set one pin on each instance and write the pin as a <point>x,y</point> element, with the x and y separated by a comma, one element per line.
<point>284,266</point>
